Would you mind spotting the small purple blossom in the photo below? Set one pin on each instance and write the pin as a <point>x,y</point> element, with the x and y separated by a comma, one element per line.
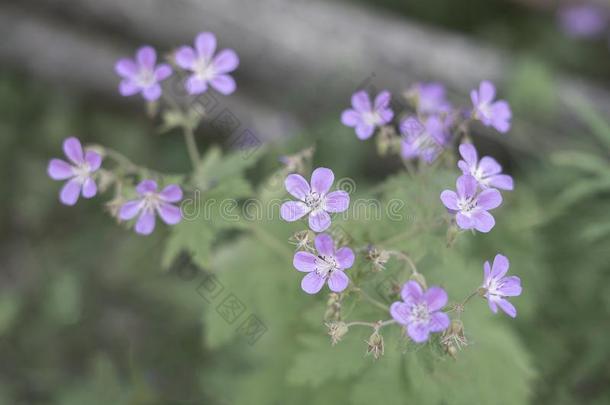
<point>583,20</point>
<point>142,74</point>
<point>495,114</point>
<point>364,116</point>
<point>84,164</point>
<point>425,141</point>
<point>326,267</point>
<point>151,201</point>
<point>497,286</point>
<point>487,171</point>
<point>315,200</point>
<point>208,69</point>
<point>431,98</point>
<point>471,206</point>
<point>420,311</point>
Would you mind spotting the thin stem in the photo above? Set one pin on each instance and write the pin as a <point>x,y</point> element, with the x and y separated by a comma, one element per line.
<point>375,325</point>
<point>191,145</point>
<point>373,300</point>
<point>406,258</point>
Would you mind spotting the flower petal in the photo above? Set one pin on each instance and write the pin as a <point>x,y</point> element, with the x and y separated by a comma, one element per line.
<point>487,92</point>
<point>337,201</point>
<point>361,101</point>
<point>146,186</point>
<point>162,72</point>
<point>130,209</point>
<point>507,307</point>
<point>169,213</point>
<point>146,223</point>
<point>501,181</point>
<point>325,245</point>
<point>205,43</point>
<point>436,298</point>
<point>224,84</point>
<point>469,154</point>
<point>491,301</point>
<point>146,57</point>
<point>59,169</point>
<point>226,61</point>
<point>345,257</point>
<point>350,118</point>
<point>321,180</point>
<point>449,199</point>
<point>297,186</point>
<point>73,150</point>
<point>418,332</point>
<point>171,193</point>
<point>466,186</point>
<point>69,192</point>
<point>412,292</point>
<point>319,221</point>
<point>364,130</point>
<point>152,93</point>
<point>483,221</point>
<point>128,88</point>
<point>304,261</point>
<point>126,68</point>
<point>501,116</point>
<point>489,199</point>
<point>89,188</point>
<point>293,210</point>
<point>400,312</point>
<point>464,221</point>
<point>489,166</point>
<point>94,160</point>
<point>338,281</point>
<point>439,321</point>
<point>382,101</point>
<point>511,287</point>
<point>312,283</point>
<point>195,85</point>
<point>185,57</point>
<point>500,266</point>
<point>486,273</point>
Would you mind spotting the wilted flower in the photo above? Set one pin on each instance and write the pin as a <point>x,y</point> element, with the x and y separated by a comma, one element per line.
<point>325,267</point>
<point>378,258</point>
<point>375,345</point>
<point>150,202</point>
<point>495,114</point>
<point>142,75</point>
<point>470,206</point>
<point>336,330</point>
<point>207,68</point>
<point>453,338</point>
<point>420,312</point>
<point>425,141</point>
<point>302,239</point>
<point>430,98</point>
<point>314,200</point>
<point>84,164</point>
<point>497,287</point>
<point>366,117</point>
<point>487,171</point>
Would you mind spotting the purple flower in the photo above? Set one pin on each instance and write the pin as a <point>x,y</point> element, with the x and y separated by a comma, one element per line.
<point>325,267</point>
<point>495,114</point>
<point>142,75</point>
<point>150,202</point>
<point>207,68</point>
<point>425,141</point>
<point>431,98</point>
<point>583,20</point>
<point>420,312</point>
<point>79,172</point>
<point>366,117</point>
<point>497,287</point>
<point>488,172</point>
<point>471,207</point>
<point>315,200</point>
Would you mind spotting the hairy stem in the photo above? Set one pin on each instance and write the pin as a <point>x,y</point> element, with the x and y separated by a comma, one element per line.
<point>191,145</point>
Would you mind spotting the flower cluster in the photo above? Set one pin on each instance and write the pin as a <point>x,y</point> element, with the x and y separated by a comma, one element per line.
<point>144,75</point>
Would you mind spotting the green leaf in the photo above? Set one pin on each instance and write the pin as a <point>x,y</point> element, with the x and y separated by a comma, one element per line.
<point>596,122</point>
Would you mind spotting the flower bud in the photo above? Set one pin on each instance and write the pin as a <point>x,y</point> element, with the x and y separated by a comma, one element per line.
<point>333,307</point>
<point>453,339</point>
<point>336,330</point>
<point>375,345</point>
<point>378,258</point>
<point>302,240</point>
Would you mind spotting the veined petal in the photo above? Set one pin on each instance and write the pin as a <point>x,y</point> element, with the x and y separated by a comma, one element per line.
<point>130,209</point>
<point>293,210</point>
<point>59,169</point>
<point>364,130</point>
<point>69,192</point>
<point>501,181</point>
<point>169,213</point>
<point>205,43</point>
<point>89,189</point>
<point>436,298</point>
<point>500,266</point>
<point>312,283</point>
<point>337,201</point>
<point>94,160</point>
<point>146,57</point>
<point>382,100</point>
<point>489,166</point>
<point>507,307</point>
<point>449,199</point>
<point>511,287</point>
<point>162,72</point>
<point>146,223</point>
<point>345,257</point>
<point>489,199</point>
<point>224,84</point>
<point>439,321</point>
<point>469,154</point>
<point>412,292</point>
<point>319,221</point>
<point>185,57</point>
<point>400,312</point>
<point>350,118</point>
<point>171,193</point>
<point>361,101</point>
<point>487,91</point>
<point>418,332</point>
<point>483,221</point>
<point>297,186</point>
<point>73,150</point>
<point>466,186</point>
<point>321,180</point>
<point>226,61</point>
<point>338,281</point>
<point>304,261</point>
<point>146,186</point>
<point>464,221</point>
<point>325,245</point>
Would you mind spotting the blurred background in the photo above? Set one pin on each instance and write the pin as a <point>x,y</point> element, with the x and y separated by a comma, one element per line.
<point>89,315</point>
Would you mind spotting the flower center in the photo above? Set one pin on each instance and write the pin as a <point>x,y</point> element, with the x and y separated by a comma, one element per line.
<point>145,78</point>
<point>371,117</point>
<point>150,201</point>
<point>420,313</point>
<point>82,171</point>
<point>313,200</point>
<point>325,265</point>
<point>485,110</point>
<point>204,70</point>
<point>467,204</point>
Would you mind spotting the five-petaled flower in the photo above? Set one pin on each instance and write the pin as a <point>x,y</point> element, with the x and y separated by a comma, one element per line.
<point>79,172</point>
<point>425,141</point>
<point>430,98</point>
<point>326,267</point>
<point>142,75</point>
<point>471,206</point>
<point>151,201</point>
<point>487,171</point>
<point>420,311</point>
<point>315,200</point>
<point>495,114</point>
<point>364,116</point>
<point>207,68</point>
<point>496,286</point>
